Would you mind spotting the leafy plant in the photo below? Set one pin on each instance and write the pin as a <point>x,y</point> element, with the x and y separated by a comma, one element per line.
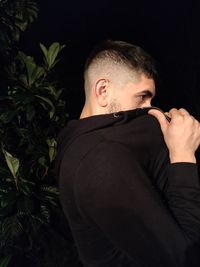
<point>33,231</point>
<point>32,113</point>
<point>15,17</point>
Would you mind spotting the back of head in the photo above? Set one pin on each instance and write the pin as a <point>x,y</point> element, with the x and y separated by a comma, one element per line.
<point>111,58</point>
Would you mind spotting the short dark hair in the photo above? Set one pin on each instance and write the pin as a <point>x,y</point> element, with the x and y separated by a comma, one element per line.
<point>128,54</point>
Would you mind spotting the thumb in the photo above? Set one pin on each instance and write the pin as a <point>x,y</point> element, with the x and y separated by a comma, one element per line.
<point>160,117</point>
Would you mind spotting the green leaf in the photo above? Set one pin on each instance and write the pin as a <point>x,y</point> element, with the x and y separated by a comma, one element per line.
<point>50,55</point>
<point>52,148</point>
<point>27,187</point>
<point>21,25</point>
<point>48,101</point>
<point>52,190</point>
<point>33,72</point>
<point>5,261</point>
<point>17,228</point>
<point>50,194</point>
<point>42,161</point>
<point>44,50</point>
<point>13,164</point>
<point>37,73</point>
<point>30,112</point>
<point>23,98</point>
<point>23,79</point>
<point>53,53</point>
<point>12,227</point>
<point>30,66</point>
<point>45,212</point>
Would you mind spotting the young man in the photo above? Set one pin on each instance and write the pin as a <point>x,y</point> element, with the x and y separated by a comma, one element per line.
<point>132,197</point>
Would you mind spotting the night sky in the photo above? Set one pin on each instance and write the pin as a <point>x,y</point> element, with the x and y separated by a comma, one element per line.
<point>168,30</point>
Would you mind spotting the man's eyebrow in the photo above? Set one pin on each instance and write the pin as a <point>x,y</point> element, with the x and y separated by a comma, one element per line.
<point>147,92</point>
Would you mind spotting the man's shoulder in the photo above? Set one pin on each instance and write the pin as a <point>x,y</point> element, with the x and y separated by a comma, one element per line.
<point>143,131</point>
<point>141,135</point>
<point>140,132</point>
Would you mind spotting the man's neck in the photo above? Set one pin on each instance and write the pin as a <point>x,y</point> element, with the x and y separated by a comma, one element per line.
<point>89,111</point>
<point>85,112</point>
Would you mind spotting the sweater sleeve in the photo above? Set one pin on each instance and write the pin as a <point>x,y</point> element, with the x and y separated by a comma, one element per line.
<point>115,192</point>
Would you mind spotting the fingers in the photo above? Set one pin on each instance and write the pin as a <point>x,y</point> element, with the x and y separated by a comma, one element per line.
<point>184,112</point>
<point>167,114</point>
<point>178,112</point>
<point>160,117</point>
<point>179,116</point>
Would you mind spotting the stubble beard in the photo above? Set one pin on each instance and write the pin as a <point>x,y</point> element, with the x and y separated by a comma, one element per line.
<point>114,106</point>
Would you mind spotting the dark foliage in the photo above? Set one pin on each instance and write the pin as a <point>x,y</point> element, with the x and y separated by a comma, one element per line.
<point>33,231</point>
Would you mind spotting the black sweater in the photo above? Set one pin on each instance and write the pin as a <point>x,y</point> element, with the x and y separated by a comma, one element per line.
<point>125,203</point>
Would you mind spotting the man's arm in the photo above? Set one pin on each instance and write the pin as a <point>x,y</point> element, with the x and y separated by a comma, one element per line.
<point>113,190</point>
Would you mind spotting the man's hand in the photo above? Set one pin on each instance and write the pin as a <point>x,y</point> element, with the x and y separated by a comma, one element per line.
<point>182,134</point>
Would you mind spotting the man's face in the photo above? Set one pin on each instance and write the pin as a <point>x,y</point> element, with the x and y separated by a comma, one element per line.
<point>134,94</point>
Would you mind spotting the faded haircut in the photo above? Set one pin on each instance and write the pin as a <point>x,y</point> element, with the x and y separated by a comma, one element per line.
<point>122,53</point>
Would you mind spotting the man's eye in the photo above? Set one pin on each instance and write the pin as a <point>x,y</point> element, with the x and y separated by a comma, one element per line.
<point>143,97</point>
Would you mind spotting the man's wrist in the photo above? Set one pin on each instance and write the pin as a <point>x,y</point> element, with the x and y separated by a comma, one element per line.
<point>182,157</point>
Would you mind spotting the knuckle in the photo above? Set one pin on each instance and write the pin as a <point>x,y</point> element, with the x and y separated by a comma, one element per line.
<point>182,109</point>
<point>173,109</point>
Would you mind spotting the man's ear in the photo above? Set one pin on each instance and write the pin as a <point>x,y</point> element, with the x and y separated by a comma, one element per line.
<point>102,92</point>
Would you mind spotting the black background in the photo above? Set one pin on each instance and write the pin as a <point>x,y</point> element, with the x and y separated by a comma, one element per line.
<point>168,30</point>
